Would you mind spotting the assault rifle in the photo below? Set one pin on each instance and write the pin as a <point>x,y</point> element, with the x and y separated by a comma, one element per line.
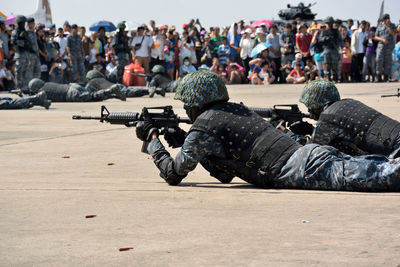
<point>285,114</point>
<point>398,94</point>
<point>163,119</point>
<point>20,92</point>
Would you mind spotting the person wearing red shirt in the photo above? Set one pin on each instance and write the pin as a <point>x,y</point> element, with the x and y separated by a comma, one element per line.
<point>296,75</point>
<point>303,42</point>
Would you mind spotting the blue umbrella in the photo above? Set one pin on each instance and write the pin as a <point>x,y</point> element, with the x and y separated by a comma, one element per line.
<point>107,25</point>
<point>259,48</point>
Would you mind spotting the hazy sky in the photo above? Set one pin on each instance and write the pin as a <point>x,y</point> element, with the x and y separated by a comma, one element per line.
<point>210,12</point>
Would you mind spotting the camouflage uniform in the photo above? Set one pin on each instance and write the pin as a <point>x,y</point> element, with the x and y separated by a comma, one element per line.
<point>97,82</point>
<point>20,41</point>
<point>301,167</point>
<point>72,92</point>
<point>384,51</point>
<point>121,50</point>
<point>74,42</point>
<point>18,103</point>
<point>348,124</point>
<point>33,70</point>
<point>330,39</point>
<point>39,99</point>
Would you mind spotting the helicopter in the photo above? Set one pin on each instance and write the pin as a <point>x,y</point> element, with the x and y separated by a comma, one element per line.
<point>300,11</point>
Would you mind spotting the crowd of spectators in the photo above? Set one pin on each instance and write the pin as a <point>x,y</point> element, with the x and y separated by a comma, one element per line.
<point>296,52</point>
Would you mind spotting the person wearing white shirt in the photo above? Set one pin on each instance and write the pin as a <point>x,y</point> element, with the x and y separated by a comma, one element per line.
<point>141,47</point>
<point>358,51</point>
<point>186,47</point>
<point>157,50</point>
<point>246,44</point>
<point>62,41</point>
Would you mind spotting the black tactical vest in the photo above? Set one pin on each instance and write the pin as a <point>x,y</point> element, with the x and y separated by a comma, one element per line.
<point>97,84</point>
<point>255,150</point>
<point>369,129</point>
<point>56,92</point>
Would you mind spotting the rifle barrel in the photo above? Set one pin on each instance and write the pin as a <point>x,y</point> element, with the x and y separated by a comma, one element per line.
<point>79,117</point>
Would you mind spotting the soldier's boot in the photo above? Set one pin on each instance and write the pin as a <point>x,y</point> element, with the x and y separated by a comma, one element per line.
<point>115,91</point>
<point>152,91</point>
<point>160,91</point>
<point>40,99</point>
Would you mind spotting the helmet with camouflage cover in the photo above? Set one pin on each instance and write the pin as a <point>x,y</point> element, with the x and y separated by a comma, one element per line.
<point>200,88</point>
<point>158,69</point>
<point>35,84</point>
<point>20,19</point>
<point>92,74</point>
<point>121,25</point>
<point>316,94</point>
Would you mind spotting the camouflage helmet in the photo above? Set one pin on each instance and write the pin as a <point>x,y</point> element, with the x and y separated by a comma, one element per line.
<point>329,20</point>
<point>92,74</point>
<point>121,25</point>
<point>35,84</point>
<point>316,94</point>
<point>158,69</point>
<point>20,19</point>
<point>201,87</point>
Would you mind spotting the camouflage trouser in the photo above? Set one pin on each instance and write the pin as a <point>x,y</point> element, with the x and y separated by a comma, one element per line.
<point>325,168</point>
<point>331,58</point>
<point>134,91</point>
<point>18,103</point>
<point>21,69</point>
<point>122,61</point>
<point>383,61</point>
<point>33,70</point>
<point>78,68</point>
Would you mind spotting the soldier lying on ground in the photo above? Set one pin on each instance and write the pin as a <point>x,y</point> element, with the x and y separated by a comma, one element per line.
<point>348,124</point>
<point>73,92</point>
<point>229,140</point>
<point>160,79</point>
<point>39,99</point>
<point>96,82</point>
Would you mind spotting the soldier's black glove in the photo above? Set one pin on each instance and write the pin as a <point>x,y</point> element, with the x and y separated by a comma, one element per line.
<point>175,137</point>
<point>302,128</point>
<point>275,120</point>
<point>144,130</point>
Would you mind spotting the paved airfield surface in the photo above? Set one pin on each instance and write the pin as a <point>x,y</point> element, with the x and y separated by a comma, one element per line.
<point>55,171</point>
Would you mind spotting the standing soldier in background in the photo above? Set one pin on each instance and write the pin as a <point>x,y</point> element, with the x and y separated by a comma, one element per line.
<point>33,70</point>
<point>384,34</point>
<point>330,39</point>
<point>75,52</point>
<point>20,41</point>
<point>121,50</point>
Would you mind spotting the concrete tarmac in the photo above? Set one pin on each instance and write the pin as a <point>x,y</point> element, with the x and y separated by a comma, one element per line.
<point>55,171</point>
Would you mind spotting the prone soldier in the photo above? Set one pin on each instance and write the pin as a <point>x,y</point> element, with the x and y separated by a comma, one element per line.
<point>96,82</point>
<point>349,125</point>
<point>229,140</point>
<point>73,92</point>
